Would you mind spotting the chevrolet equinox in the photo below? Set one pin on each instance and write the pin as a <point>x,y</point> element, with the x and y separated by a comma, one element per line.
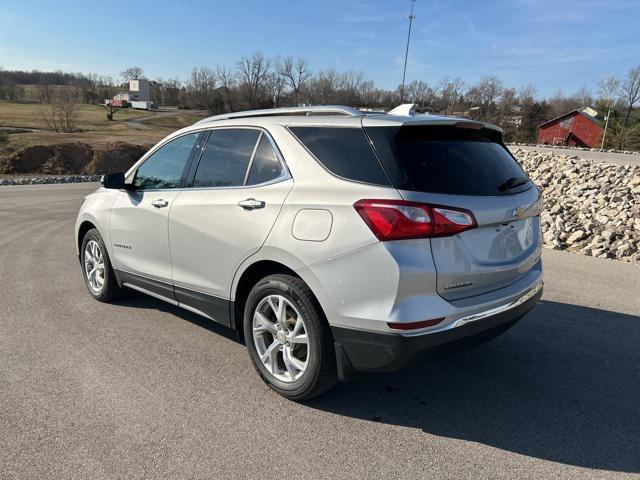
<point>333,241</point>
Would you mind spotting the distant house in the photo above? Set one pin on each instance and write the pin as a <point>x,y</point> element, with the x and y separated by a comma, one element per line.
<point>138,96</point>
<point>578,128</point>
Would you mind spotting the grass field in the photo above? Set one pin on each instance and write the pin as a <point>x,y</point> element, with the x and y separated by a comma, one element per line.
<point>176,121</point>
<point>31,115</point>
<point>93,127</point>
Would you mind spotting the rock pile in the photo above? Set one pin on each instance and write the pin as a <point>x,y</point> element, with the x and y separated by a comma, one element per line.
<point>46,180</point>
<point>566,147</point>
<point>590,207</point>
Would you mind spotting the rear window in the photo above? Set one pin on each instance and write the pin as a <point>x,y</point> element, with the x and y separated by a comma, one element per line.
<point>344,152</point>
<point>450,160</point>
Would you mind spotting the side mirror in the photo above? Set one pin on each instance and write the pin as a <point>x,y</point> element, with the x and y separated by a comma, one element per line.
<point>113,180</point>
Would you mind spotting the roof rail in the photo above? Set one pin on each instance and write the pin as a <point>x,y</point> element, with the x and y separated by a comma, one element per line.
<point>271,112</point>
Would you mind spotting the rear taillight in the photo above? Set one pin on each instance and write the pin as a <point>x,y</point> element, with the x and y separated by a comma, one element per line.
<point>401,220</point>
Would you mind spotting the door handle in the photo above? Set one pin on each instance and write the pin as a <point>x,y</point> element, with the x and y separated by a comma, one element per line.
<point>160,203</point>
<point>251,204</point>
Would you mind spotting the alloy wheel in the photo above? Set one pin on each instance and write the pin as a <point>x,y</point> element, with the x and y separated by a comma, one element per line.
<point>94,266</point>
<point>280,338</point>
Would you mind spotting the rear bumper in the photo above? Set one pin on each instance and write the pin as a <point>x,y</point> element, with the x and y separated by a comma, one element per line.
<point>367,351</point>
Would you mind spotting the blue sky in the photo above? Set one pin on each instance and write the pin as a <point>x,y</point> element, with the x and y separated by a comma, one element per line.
<point>561,44</point>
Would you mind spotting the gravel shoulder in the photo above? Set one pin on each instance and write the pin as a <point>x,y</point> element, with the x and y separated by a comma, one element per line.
<point>608,157</point>
<point>589,207</point>
<point>142,389</point>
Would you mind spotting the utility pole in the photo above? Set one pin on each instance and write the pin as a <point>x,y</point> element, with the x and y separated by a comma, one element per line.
<point>406,52</point>
<point>606,124</point>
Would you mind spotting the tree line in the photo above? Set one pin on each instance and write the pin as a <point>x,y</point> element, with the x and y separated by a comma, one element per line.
<point>259,81</point>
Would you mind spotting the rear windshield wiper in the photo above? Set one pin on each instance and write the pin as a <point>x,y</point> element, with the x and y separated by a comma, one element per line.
<point>512,183</point>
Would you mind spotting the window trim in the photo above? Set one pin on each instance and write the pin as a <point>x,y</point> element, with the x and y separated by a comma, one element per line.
<point>373,151</point>
<point>284,176</point>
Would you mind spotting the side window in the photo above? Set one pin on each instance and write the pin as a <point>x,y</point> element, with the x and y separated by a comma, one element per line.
<point>265,166</point>
<point>345,152</point>
<point>164,168</point>
<point>226,157</point>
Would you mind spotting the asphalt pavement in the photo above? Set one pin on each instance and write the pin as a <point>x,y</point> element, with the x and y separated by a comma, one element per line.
<point>141,389</point>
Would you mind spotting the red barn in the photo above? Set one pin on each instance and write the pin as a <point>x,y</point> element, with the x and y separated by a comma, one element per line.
<point>576,128</point>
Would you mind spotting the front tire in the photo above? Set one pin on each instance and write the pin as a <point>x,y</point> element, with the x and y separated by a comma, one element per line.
<point>96,268</point>
<point>288,338</point>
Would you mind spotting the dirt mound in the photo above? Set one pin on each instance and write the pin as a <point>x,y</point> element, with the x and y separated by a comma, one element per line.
<point>73,158</point>
<point>116,157</point>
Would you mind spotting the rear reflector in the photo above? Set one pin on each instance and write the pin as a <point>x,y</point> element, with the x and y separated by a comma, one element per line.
<point>415,325</point>
<point>401,220</point>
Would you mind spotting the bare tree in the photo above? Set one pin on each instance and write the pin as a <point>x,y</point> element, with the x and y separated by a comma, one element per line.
<point>106,87</point>
<point>450,92</point>
<point>508,105</point>
<point>227,81</point>
<point>171,91</point>
<point>132,73</point>
<point>485,95</point>
<point>295,73</point>
<point>630,94</point>
<point>349,84</point>
<point>203,85</point>
<point>527,94</point>
<point>62,114</point>
<point>252,73</point>
<point>45,91</point>
<point>607,88</point>
<point>111,111</point>
<point>91,82</point>
<point>532,114</point>
<point>323,88</point>
<point>584,97</point>
<point>420,93</point>
<point>275,84</point>
<point>368,94</point>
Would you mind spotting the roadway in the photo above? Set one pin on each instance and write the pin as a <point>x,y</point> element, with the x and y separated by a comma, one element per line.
<point>142,389</point>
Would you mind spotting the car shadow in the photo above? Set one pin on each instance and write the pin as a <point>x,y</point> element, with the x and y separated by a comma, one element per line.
<point>138,300</point>
<point>562,385</point>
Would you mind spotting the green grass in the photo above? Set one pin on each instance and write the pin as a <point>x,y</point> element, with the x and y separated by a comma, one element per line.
<point>93,127</point>
<point>176,121</point>
<point>31,115</point>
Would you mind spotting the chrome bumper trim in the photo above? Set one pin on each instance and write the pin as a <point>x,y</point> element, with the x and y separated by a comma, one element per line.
<point>499,309</point>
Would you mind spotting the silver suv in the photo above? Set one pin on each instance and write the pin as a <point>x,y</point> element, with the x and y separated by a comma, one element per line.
<point>333,241</point>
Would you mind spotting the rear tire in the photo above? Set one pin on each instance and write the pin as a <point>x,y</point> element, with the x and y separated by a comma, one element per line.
<point>288,338</point>
<point>97,270</point>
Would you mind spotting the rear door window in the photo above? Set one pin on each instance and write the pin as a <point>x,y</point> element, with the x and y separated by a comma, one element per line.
<point>345,152</point>
<point>226,157</point>
<point>451,160</point>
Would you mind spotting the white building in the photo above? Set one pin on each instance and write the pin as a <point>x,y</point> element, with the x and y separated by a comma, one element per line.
<point>139,90</point>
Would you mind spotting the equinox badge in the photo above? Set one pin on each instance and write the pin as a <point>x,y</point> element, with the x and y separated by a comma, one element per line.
<point>451,286</point>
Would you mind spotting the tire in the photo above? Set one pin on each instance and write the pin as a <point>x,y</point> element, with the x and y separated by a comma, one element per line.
<point>316,355</point>
<point>109,290</point>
